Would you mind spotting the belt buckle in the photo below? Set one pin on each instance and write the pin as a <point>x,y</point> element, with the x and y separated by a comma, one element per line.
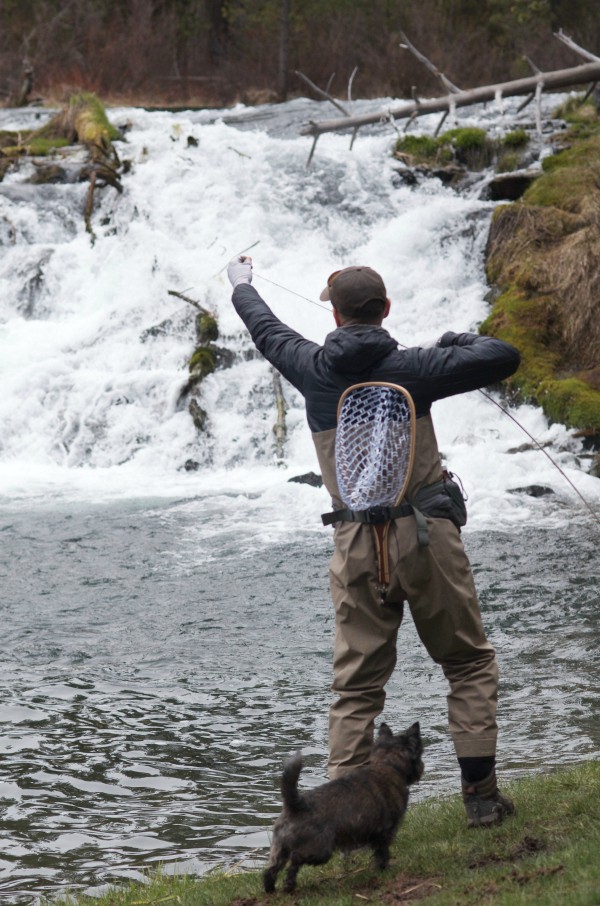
<point>375,515</point>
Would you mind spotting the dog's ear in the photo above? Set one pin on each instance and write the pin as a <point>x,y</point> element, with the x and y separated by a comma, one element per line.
<point>413,739</point>
<point>414,731</point>
<point>385,732</point>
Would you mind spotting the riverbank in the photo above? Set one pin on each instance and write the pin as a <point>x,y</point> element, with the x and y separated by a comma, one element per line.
<point>541,258</point>
<point>546,855</point>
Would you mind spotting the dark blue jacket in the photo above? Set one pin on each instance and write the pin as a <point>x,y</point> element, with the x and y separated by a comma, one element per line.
<point>356,353</point>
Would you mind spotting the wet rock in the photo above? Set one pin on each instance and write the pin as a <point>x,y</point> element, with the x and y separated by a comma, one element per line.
<point>190,465</point>
<point>164,329</point>
<point>199,415</point>
<point>311,478</point>
<point>533,490</point>
<point>509,186</point>
<point>405,177</point>
<point>49,173</point>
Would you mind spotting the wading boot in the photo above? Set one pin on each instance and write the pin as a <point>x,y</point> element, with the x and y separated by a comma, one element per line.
<point>485,806</point>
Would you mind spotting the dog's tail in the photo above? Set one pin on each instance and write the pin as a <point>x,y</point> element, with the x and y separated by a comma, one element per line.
<point>292,799</point>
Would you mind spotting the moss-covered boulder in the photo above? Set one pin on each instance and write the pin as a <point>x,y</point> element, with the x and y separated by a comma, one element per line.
<point>83,120</point>
<point>469,148</point>
<point>543,255</point>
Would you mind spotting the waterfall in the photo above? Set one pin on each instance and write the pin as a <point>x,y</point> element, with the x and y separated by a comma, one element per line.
<point>94,350</point>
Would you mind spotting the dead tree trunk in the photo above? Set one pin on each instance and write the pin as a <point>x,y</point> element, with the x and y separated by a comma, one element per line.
<point>561,78</point>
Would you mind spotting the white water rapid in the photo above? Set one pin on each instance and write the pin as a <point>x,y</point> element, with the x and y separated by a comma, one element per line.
<point>89,405</point>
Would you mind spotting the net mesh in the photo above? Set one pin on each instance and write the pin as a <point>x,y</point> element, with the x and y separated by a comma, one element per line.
<point>373,446</point>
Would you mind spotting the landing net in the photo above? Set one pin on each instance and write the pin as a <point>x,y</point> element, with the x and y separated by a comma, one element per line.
<point>374,444</point>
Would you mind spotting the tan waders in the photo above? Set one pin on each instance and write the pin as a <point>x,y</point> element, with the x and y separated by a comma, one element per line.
<point>437,583</point>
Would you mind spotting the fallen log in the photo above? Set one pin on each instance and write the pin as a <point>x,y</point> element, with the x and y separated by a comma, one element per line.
<point>532,85</point>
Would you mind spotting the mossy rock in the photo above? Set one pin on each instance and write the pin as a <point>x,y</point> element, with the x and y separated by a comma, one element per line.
<point>202,362</point>
<point>529,325</point>
<point>543,254</point>
<point>207,329</point>
<point>422,149</point>
<point>470,147</point>
<point>518,138</point>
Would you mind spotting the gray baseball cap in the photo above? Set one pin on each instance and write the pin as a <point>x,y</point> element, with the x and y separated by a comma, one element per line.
<point>355,292</point>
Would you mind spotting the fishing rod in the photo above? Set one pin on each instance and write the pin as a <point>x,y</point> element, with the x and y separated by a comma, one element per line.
<point>482,392</point>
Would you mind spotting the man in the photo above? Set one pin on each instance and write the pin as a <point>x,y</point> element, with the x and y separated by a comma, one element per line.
<point>434,577</point>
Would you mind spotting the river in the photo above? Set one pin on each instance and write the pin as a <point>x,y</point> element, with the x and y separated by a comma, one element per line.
<point>167,632</point>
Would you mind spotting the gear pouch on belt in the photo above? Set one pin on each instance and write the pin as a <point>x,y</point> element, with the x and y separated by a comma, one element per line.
<point>444,499</point>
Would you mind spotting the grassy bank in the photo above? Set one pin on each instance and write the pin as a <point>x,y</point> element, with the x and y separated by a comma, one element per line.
<point>542,255</point>
<point>547,855</point>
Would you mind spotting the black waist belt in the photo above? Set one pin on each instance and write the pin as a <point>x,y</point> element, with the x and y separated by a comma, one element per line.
<point>442,499</point>
<point>375,515</point>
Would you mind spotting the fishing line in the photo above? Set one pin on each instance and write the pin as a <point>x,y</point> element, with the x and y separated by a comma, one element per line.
<point>306,299</point>
<point>484,394</point>
<point>544,451</point>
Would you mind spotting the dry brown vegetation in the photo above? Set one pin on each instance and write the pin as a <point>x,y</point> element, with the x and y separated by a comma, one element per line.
<point>218,51</point>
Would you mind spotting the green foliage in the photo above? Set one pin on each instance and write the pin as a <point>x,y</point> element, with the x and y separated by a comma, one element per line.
<point>517,139</point>
<point>466,139</point>
<point>570,177</point>
<point>468,146</point>
<point>419,148</point>
<point>507,162</point>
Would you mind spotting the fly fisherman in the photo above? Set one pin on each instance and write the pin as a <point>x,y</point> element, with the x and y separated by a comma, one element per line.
<point>428,566</point>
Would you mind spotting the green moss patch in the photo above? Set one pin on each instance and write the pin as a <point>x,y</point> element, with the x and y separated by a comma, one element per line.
<point>519,138</point>
<point>470,147</point>
<point>202,362</point>
<point>543,253</point>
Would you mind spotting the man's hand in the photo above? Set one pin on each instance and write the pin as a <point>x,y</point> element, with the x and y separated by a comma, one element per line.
<point>239,270</point>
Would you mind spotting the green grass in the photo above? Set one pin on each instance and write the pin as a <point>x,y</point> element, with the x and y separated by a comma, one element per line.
<point>547,855</point>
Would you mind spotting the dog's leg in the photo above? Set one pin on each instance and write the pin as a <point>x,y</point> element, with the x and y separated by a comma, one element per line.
<point>279,856</point>
<point>296,864</point>
<point>381,852</point>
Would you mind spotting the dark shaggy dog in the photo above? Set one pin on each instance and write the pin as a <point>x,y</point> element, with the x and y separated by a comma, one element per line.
<point>363,808</point>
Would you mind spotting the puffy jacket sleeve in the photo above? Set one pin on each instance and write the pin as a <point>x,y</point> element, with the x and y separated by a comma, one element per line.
<point>291,353</point>
<point>466,361</point>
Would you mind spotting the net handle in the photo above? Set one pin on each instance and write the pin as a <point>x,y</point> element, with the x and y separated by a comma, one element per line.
<point>413,417</point>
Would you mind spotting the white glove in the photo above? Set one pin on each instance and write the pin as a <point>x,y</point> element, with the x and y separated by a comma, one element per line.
<point>239,270</point>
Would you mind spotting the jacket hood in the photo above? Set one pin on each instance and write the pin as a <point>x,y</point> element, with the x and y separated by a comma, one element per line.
<point>357,347</point>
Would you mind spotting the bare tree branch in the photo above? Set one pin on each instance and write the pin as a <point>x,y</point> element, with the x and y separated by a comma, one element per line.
<point>350,80</point>
<point>406,45</point>
<point>323,94</point>
<point>578,50</point>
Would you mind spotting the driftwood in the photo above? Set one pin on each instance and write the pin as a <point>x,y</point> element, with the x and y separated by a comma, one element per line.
<point>279,428</point>
<point>532,87</point>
